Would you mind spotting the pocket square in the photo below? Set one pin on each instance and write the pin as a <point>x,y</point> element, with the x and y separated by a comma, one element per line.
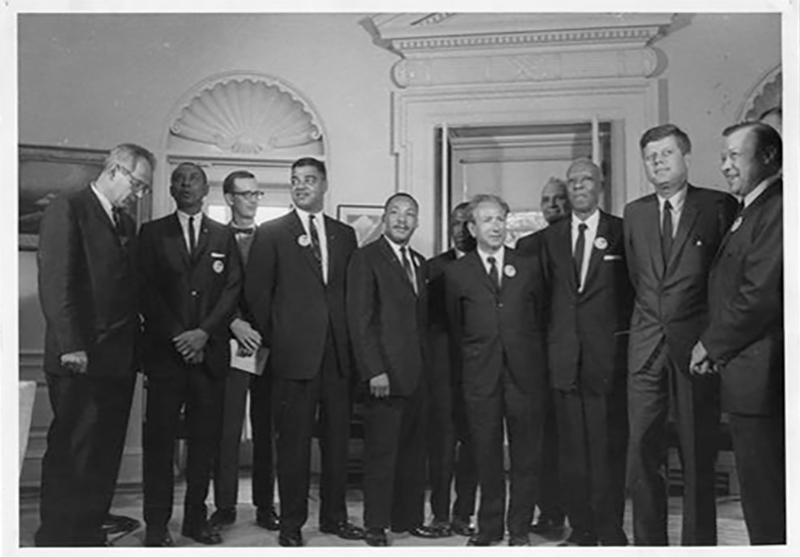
<point>612,257</point>
<point>215,254</point>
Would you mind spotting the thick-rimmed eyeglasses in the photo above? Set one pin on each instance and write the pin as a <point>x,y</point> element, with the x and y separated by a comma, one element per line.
<point>139,187</point>
<point>251,195</point>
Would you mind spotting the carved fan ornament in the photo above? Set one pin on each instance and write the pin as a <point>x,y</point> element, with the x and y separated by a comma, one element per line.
<point>765,94</point>
<point>247,116</point>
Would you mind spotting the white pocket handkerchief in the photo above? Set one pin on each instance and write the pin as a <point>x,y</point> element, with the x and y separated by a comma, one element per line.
<point>612,257</point>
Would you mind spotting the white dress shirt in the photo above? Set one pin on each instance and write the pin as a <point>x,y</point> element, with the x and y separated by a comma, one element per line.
<point>759,189</point>
<point>319,221</point>
<point>676,201</point>
<point>106,204</point>
<point>589,236</point>
<point>499,257</point>
<point>183,218</point>
<point>412,262</point>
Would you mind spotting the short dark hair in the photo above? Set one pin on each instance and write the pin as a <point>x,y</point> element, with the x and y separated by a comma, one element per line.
<point>230,180</point>
<point>486,198</point>
<point>197,166</point>
<point>463,206</point>
<point>398,195</point>
<point>311,161</point>
<point>666,130</point>
<point>769,145</point>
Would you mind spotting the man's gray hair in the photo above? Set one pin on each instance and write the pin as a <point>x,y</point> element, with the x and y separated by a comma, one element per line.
<point>128,156</point>
<point>487,198</point>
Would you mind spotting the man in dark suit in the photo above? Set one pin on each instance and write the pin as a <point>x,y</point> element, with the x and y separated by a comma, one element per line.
<point>588,315</point>
<point>494,306</point>
<point>88,297</point>
<point>387,316</point>
<point>744,340</point>
<point>190,277</point>
<point>550,522</point>
<point>242,193</point>
<point>451,459</point>
<point>295,288</point>
<point>671,238</point>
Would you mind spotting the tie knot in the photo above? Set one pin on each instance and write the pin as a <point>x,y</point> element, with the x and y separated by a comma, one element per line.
<point>582,227</point>
<point>491,260</point>
<point>667,205</point>
<point>311,218</point>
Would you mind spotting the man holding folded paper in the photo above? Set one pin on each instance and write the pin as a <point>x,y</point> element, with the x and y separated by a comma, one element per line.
<point>248,359</point>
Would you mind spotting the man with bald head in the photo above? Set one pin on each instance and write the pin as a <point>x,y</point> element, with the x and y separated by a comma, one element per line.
<point>190,281</point>
<point>589,306</point>
<point>550,522</point>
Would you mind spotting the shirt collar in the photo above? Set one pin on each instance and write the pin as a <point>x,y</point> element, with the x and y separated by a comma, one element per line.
<point>184,217</point>
<point>591,223</point>
<point>304,217</point>
<point>499,256</point>
<point>104,202</point>
<point>677,200</point>
<point>396,248</point>
<point>759,189</point>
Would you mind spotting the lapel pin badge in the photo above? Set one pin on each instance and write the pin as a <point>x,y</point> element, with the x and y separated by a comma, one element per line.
<point>218,266</point>
<point>510,271</point>
<point>600,243</point>
<point>303,241</point>
<point>736,224</point>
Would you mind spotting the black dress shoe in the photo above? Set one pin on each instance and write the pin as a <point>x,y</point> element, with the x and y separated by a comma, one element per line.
<point>548,525</point>
<point>518,540</point>
<point>482,540</point>
<point>442,528</point>
<point>157,538</point>
<point>205,534</point>
<point>617,539</point>
<point>422,531</point>
<point>115,525</point>
<point>462,527</point>
<point>290,539</point>
<point>376,537</point>
<point>223,517</point>
<point>580,538</point>
<point>344,530</point>
<point>267,518</point>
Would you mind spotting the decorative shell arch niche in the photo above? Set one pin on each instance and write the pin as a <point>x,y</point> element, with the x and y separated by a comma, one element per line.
<point>241,121</point>
<point>495,70</point>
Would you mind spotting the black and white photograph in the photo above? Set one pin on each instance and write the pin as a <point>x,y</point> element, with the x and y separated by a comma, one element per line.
<point>305,275</point>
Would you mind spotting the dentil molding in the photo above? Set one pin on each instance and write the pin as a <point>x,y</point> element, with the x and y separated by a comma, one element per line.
<point>457,49</point>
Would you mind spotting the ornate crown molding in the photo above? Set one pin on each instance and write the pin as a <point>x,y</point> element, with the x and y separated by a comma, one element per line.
<point>446,49</point>
<point>765,94</point>
<point>246,114</point>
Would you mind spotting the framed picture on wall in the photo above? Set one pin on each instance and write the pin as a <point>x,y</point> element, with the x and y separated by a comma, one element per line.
<point>46,172</point>
<point>366,219</point>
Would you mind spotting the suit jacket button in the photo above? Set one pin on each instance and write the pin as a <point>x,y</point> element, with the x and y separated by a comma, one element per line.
<point>500,305</point>
<point>194,293</point>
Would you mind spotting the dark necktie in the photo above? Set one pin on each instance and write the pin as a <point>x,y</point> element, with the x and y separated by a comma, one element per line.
<point>577,255</point>
<point>666,231</point>
<point>493,274</point>
<point>116,212</point>
<point>244,231</point>
<point>315,247</point>
<point>192,241</point>
<point>407,267</point>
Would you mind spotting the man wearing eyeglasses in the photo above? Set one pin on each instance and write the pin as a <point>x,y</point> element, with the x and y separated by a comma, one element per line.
<point>87,293</point>
<point>190,281</point>
<point>242,193</point>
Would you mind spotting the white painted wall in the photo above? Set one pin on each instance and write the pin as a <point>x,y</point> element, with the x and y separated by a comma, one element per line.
<point>97,80</point>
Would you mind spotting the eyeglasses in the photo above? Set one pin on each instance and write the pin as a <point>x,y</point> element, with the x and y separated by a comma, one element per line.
<point>139,187</point>
<point>251,195</point>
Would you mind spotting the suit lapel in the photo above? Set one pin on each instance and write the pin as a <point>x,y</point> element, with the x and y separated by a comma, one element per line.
<point>175,242</point>
<point>330,236</point>
<point>390,256</point>
<point>476,263</point>
<point>652,231</point>
<point>596,255</point>
<point>296,230</point>
<point>563,251</point>
<point>685,225</point>
<point>202,239</point>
